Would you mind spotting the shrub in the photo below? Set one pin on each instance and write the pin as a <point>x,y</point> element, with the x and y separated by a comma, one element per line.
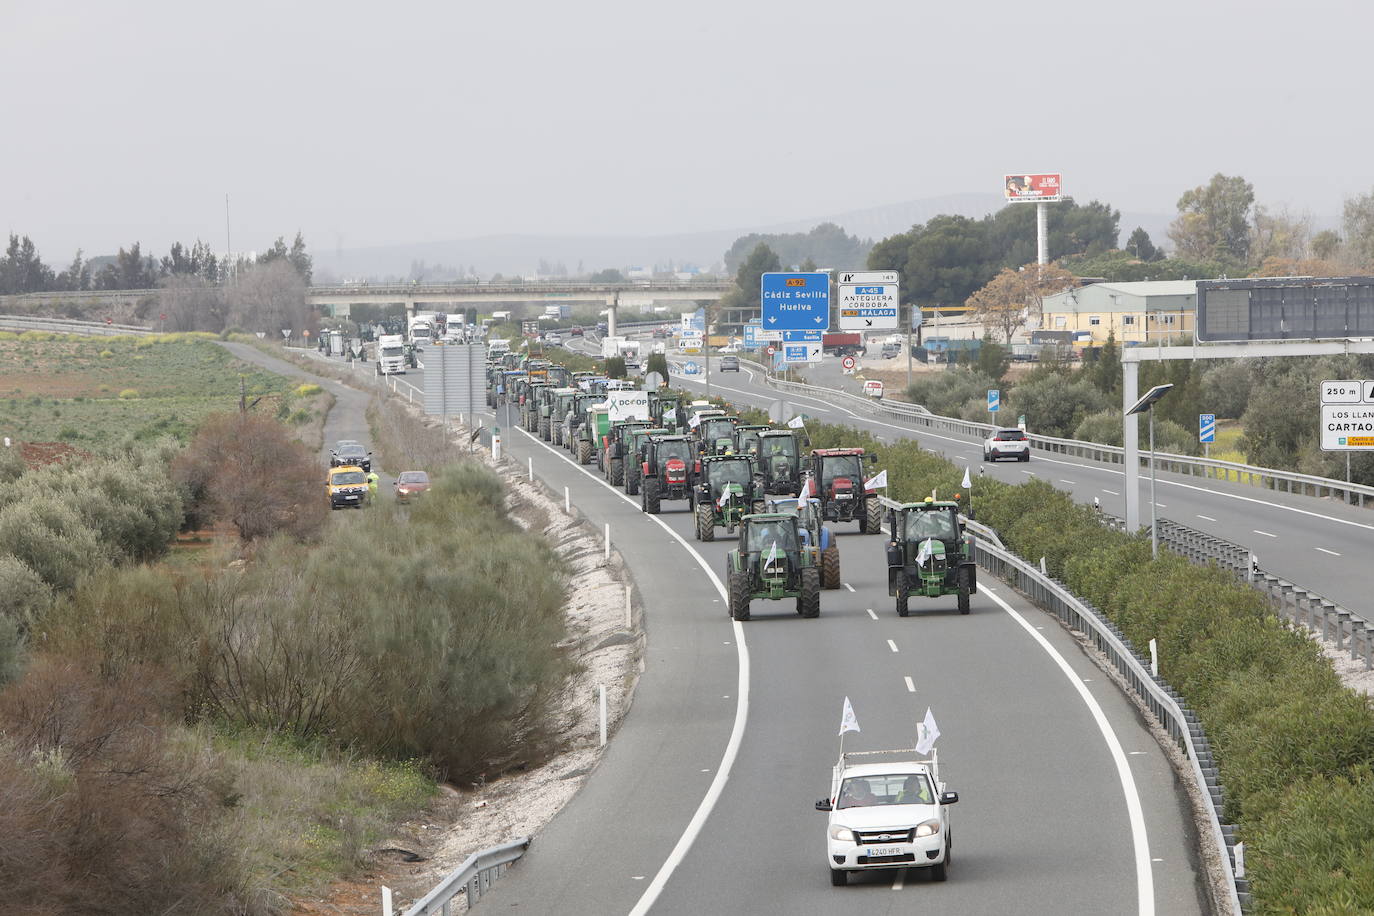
<point>12,465</point>
<point>49,535</point>
<point>944,393</point>
<point>128,394</point>
<point>245,468</point>
<point>23,593</point>
<point>1054,404</point>
<point>106,354</point>
<point>309,389</point>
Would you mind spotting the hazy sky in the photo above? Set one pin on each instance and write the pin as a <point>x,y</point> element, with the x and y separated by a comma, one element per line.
<point>377,123</point>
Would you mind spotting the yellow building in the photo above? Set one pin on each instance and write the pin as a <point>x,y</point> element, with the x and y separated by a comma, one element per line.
<point>1152,311</point>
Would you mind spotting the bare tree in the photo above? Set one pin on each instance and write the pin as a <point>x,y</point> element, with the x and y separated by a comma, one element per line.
<point>252,474</point>
<point>1012,297</point>
<point>1279,235</point>
<point>192,304</point>
<point>269,297</point>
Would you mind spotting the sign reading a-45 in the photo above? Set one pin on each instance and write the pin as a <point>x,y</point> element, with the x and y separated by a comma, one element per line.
<point>795,301</point>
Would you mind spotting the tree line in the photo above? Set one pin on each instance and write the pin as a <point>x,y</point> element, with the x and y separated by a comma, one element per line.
<point>22,269</point>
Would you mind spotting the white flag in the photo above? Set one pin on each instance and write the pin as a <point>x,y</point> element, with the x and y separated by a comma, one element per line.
<point>967,483</point>
<point>694,420</point>
<point>926,733</point>
<point>848,721</point>
<point>772,553</point>
<point>724,497</point>
<point>924,553</point>
<point>879,481</point>
<point>796,423</point>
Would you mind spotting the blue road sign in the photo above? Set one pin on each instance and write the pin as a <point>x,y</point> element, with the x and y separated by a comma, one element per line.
<point>793,301</point>
<point>690,369</point>
<point>994,400</point>
<point>751,336</point>
<point>1207,427</point>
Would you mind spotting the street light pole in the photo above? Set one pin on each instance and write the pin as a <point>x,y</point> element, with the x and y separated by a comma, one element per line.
<point>1154,528</point>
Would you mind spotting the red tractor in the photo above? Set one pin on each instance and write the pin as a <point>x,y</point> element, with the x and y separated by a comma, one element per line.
<point>836,477</point>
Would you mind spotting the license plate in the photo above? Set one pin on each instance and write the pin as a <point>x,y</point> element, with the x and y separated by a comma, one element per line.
<point>844,495</point>
<point>874,852</point>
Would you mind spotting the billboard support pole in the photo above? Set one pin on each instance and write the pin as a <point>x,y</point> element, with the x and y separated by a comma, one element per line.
<point>1130,440</point>
<point>910,315</point>
<point>1042,233</point>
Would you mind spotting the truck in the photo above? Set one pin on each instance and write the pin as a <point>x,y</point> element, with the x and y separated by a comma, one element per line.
<point>391,354</point>
<point>497,348</point>
<point>420,329</point>
<point>558,311</point>
<point>842,344</point>
<point>610,346</point>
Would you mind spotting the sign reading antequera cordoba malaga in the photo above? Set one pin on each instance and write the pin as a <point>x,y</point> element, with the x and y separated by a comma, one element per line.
<point>869,299</point>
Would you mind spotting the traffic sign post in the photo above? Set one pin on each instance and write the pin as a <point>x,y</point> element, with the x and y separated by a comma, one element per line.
<point>869,300</point>
<point>848,364</point>
<point>1207,432</point>
<point>994,400</point>
<point>795,301</point>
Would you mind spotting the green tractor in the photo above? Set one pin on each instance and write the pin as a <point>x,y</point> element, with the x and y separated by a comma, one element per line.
<point>772,562</point>
<point>747,439</point>
<point>552,407</point>
<point>716,435</point>
<point>617,449</point>
<point>529,404</point>
<point>574,419</point>
<point>780,462</point>
<point>596,424</point>
<point>635,444</point>
<point>665,410</point>
<point>930,554</point>
<point>727,490</point>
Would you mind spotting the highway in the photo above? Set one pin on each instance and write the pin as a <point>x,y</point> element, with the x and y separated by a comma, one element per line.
<point>1316,543</point>
<point>1043,824</point>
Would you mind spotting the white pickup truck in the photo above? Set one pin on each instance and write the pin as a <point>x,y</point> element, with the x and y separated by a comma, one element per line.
<point>887,814</point>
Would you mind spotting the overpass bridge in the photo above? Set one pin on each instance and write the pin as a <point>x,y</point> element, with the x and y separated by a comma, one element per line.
<point>634,294</point>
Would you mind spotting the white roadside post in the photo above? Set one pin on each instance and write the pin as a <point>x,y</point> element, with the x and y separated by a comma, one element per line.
<point>601,710</point>
<point>567,501</point>
<point>629,609</point>
<point>531,461</point>
<point>1154,658</point>
<point>496,443</point>
<point>608,541</point>
<point>386,901</point>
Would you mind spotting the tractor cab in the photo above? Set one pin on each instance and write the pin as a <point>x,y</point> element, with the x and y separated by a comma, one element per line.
<point>717,435</point>
<point>666,411</point>
<point>771,544</point>
<point>615,447</point>
<point>727,490</point>
<point>815,535</point>
<point>668,472</point>
<point>559,376</point>
<point>747,439</point>
<point>636,441</point>
<point>779,460</point>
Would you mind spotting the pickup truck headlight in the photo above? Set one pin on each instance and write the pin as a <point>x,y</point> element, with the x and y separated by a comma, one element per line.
<point>843,834</point>
<point>928,828</point>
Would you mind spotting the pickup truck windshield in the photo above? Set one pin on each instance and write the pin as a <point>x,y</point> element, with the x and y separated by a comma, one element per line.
<point>886,789</point>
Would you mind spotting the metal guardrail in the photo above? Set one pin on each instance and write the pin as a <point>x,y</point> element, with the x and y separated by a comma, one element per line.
<point>438,289</point>
<point>1269,478</point>
<point>1182,724</point>
<point>69,326</point>
<point>473,878</point>
<point>1351,632</point>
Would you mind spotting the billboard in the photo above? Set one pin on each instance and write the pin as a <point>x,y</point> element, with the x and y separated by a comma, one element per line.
<point>1034,188</point>
<point>1285,308</point>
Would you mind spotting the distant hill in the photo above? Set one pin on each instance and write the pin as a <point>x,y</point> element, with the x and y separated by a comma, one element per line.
<point>522,254</point>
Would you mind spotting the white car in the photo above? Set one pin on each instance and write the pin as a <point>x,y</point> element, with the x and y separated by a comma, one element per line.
<point>1006,443</point>
<point>887,815</point>
<point>553,340</point>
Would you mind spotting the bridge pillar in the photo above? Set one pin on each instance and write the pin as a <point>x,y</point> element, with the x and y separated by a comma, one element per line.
<point>612,305</point>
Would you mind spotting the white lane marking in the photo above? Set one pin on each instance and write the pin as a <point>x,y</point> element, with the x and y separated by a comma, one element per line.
<point>1144,880</point>
<point>1070,482</point>
<point>1161,505</point>
<point>1265,533</point>
<point>1206,518</point>
<point>910,684</point>
<point>898,879</point>
<point>892,645</point>
<point>1113,492</point>
<point>848,586</point>
<point>871,614</point>
<point>1332,552</point>
<point>1029,473</point>
<point>732,746</point>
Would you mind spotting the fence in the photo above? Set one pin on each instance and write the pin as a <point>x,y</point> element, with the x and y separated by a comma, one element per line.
<point>23,323</point>
<point>1269,478</point>
<point>473,878</point>
<point>1164,703</point>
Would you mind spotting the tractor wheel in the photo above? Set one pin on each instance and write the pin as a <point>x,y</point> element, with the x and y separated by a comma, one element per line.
<point>706,523</point>
<point>830,566</point>
<point>758,506</point>
<point>963,592</point>
<point>616,471</point>
<point>650,499</point>
<point>872,522</point>
<point>809,604</point>
<point>632,474</point>
<point>584,452</point>
<point>739,596</point>
<point>544,428</point>
<point>903,593</point>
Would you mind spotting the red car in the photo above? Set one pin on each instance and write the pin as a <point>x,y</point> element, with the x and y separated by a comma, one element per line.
<point>575,332</point>
<point>411,483</point>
